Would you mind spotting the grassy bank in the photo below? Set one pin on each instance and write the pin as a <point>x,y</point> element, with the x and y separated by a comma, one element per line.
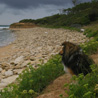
<point>87,86</point>
<point>32,81</point>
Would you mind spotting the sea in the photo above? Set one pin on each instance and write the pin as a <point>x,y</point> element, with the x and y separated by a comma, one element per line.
<point>6,35</point>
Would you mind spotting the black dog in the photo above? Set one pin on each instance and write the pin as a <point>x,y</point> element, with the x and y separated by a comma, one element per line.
<point>74,59</point>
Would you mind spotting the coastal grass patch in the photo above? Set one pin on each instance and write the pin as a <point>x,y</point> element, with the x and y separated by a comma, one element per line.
<point>84,86</point>
<point>63,27</point>
<point>32,81</point>
<point>90,47</point>
<point>91,33</point>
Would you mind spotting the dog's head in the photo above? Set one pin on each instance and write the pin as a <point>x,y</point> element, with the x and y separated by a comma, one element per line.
<point>68,49</point>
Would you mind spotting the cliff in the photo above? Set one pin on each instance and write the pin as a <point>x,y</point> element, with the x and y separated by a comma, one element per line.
<point>23,25</point>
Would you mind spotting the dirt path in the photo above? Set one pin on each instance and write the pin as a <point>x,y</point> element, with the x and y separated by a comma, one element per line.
<point>95,58</point>
<point>55,89</point>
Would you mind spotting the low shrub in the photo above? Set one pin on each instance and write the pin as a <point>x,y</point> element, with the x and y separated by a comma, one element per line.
<point>31,82</point>
<point>91,33</point>
<point>85,86</point>
<point>91,47</point>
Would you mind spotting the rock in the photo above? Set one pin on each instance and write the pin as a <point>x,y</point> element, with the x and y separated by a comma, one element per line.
<point>82,30</point>
<point>5,65</point>
<point>0,69</point>
<point>18,60</point>
<point>9,79</point>
<point>35,66</point>
<point>17,67</point>
<point>0,76</point>
<point>8,73</point>
<point>27,57</point>
<point>32,63</point>
<point>2,85</point>
<point>32,58</point>
<point>45,61</point>
<point>17,71</point>
<point>46,32</point>
<point>3,72</point>
<point>25,63</point>
<point>38,61</point>
<point>39,56</point>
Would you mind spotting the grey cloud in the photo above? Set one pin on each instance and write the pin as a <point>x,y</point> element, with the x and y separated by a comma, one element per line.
<point>2,8</point>
<point>23,4</point>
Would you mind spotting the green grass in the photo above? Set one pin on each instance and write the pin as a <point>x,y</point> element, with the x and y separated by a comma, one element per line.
<point>90,47</point>
<point>64,27</point>
<point>91,33</point>
<point>85,86</point>
<point>31,82</point>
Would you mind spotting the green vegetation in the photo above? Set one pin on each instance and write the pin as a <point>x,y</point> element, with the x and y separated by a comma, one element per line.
<point>27,21</point>
<point>85,86</point>
<point>81,14</point>
<point>92,46</point>
<point>32,81</point>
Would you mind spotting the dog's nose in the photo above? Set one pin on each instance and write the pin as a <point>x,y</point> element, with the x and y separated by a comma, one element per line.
<point>61,52</point>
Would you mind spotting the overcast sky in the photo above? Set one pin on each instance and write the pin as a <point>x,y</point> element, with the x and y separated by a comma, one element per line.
<point>15,10</point>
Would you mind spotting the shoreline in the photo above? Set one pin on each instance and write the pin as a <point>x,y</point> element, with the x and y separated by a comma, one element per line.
<point>20,41</point>
<point>8,41</point>
<point>31,46</point>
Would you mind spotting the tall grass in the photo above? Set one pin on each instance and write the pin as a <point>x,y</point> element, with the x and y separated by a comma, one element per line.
<point>92,46</point>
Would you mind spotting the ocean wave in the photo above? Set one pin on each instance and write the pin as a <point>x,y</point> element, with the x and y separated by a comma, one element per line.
<point>6,37</point>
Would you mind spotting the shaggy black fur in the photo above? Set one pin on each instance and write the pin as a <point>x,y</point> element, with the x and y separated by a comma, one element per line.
<point>74,59</point>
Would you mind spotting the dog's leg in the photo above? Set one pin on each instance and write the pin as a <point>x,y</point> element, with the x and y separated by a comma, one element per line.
<point>70,71</point>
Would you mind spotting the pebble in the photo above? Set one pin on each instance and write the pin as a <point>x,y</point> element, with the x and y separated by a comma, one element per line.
<point>18,60</point>
<point>0,69</point>
<point>8,73</point>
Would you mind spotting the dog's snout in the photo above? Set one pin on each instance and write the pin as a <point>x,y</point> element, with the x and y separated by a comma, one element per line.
<point>61,52</point>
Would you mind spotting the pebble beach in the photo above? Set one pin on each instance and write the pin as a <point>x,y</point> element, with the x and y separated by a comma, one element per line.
<point>31,46</point>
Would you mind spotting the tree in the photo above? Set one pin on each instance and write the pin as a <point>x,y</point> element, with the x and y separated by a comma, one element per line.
<point>94,0</point>
<point>74,2</point>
